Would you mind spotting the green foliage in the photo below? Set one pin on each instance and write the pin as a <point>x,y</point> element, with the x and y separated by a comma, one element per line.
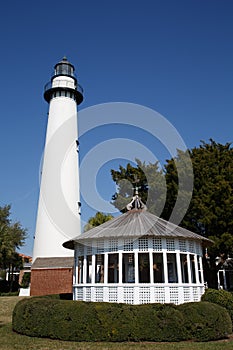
<point>204,321</point>
<point>142,176</point>
<point>83,321</point>
<point>97,220</point>
<point>26,280</point>
<point>211,209</point>
<point>9,286</point>
<point>12,236</point>
<point>212,201</point>
<point>207,210</point>
<point>220,297</point>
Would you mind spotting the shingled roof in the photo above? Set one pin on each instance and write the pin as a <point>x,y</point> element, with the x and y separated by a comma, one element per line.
<point>133,224</point>
<point>53,263</point>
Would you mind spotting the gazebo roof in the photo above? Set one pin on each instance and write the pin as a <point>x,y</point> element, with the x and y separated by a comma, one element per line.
<point>133,224</point>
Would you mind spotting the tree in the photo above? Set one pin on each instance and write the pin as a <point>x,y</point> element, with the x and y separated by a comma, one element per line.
<point>12,237</point>
<point>150,181</point>
<point>97,220</point>
<point>210,211</point>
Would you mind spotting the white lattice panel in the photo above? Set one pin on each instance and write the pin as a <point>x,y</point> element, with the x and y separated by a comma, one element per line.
<point>159,295</point>
<point>170,244</point>
<point>79,293</point>
<point>128,245</point>
<point>113,245</point>
<point>88,293</point>
<point>100,246</point>
<point>89,247</point>
<point>80,249</point>
<point>139,294</point>
<point>143,244</point>
<point>129,295</point>
<point>99,293</point>
<point>174,295</point>
<point>182,245</point>
<point>112,294</point>
<point>198,249</point>
<point>144,295</point>
<point>186,292</point>
<point>157,244</point>
<point>196,296</point>
<point>192,246</point>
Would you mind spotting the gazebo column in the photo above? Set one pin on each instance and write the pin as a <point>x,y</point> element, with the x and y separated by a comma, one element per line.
<point>120,267</point>
<point>196,268</point>
<point>93,261</point>
<point>165,270</point>
<point>179,274</point>
<point>136,267</point>
<point>151,267</point>
<point>178,268</point>
<point>224,279</point>
<point>201,269</point>
<point>75,275</point>
<point>85,269</point>
<point>105,268</point>
<point>189,268</point>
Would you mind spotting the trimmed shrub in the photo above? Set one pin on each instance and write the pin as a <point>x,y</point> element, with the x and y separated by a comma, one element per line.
<point>148,322</point>
<point>206,321</point>
<point>86,321</point>
<point>220,297</point>
<point>160,322</point>
<point>55,319</point>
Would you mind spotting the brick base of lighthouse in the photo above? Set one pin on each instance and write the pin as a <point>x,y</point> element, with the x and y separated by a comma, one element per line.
<point>51,276</point>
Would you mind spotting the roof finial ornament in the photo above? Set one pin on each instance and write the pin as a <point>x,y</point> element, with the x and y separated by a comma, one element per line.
<point>136,202</point>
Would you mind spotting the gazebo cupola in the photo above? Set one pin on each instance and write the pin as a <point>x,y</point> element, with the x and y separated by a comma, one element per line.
<point>138,258</point>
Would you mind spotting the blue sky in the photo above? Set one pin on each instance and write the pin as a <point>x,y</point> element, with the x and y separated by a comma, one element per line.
<point>175,57</point>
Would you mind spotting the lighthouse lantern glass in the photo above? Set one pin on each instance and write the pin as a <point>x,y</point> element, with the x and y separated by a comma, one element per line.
<point>64,69</point>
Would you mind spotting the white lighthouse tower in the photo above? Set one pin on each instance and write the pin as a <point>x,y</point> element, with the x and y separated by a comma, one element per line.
<point>58,216</point>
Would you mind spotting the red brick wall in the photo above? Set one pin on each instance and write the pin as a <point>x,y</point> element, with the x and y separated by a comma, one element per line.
<point>51,281</point>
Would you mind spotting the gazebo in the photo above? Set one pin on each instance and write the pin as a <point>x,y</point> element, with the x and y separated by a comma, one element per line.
<point>138,258</point>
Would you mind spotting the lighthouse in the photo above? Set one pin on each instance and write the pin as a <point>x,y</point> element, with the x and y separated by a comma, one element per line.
<point>58,214</point>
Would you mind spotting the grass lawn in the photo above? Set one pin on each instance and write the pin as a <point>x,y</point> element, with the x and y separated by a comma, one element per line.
<point>10,340</point>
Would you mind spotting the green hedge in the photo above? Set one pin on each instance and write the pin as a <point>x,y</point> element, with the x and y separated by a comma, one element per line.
<point>86,321</point>
<point>220,297</point>
<point>206,321</point>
